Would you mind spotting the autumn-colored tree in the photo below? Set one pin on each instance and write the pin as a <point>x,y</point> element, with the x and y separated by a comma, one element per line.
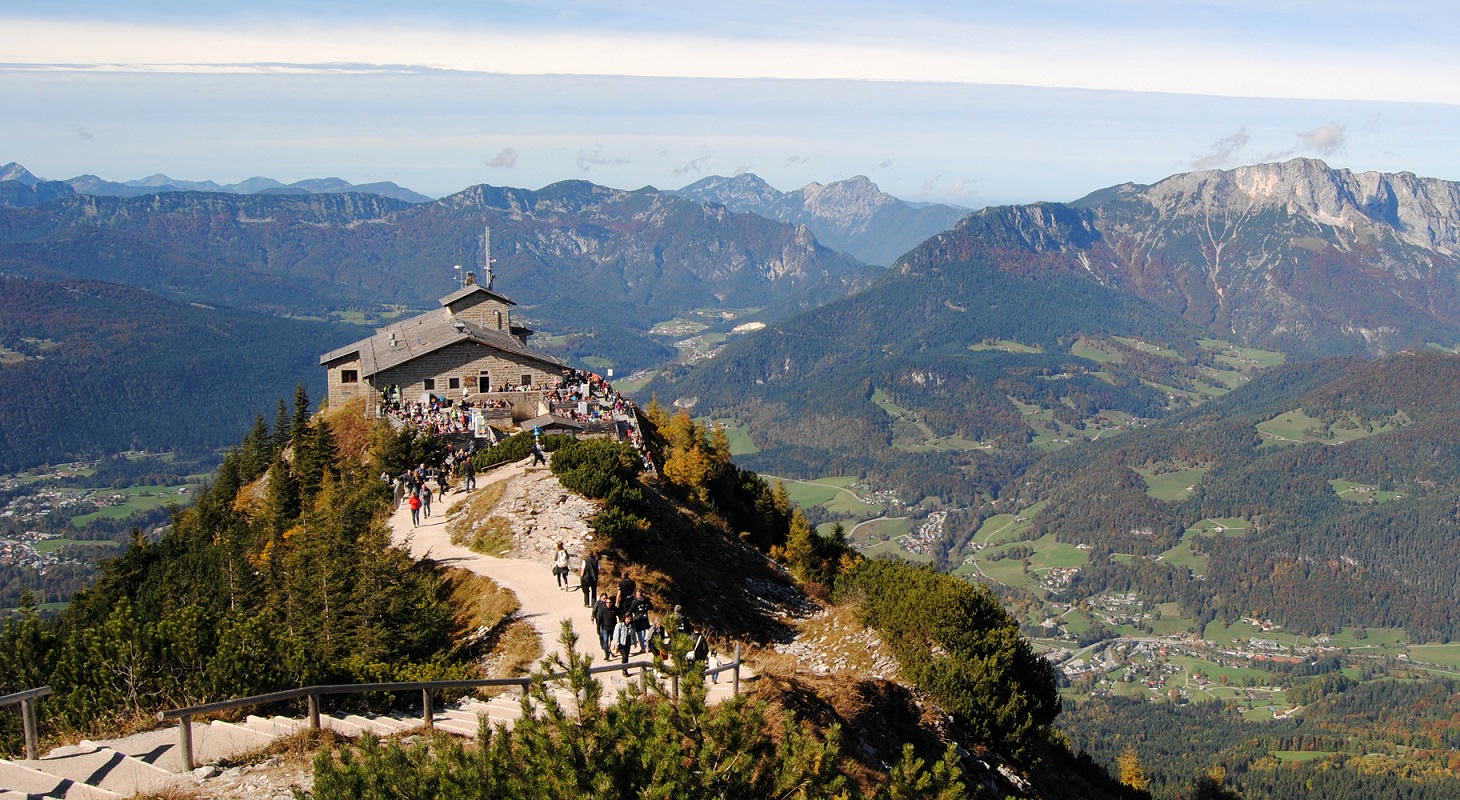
<point>1130,770</point>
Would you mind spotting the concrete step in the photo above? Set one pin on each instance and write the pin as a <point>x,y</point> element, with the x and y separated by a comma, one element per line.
<point>340,725</point>
<point>222,740</point>
<point>459,723</point>
<point>266,726</point>
<point>26,783</point>
<point>289,725</point>
<point>104,768</point>
<point>381,726</point>
<point>157,747</point>
<point>497,708</point>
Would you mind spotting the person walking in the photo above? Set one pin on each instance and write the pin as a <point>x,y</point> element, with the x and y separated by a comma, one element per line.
<point>560,567</point>
<point>588,579</point>
<point>623,635</point>
<point>639,612</point>
<point>425,500</point>
<point>539,458</point>
<point>415,503</point>
<point>604,618</point>
<point>469,473</point>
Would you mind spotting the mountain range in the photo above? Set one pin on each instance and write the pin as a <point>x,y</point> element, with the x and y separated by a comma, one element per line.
<point>580,258</point>
<point>42,190</point>
<point>851,215</point>
<point>1296,256</point>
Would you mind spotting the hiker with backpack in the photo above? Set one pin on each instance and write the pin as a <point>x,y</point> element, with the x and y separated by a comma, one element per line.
<point>588,579</point>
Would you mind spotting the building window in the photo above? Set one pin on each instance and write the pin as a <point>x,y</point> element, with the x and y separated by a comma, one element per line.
<point>349,376</point>
<point>429,384</point>
<point>526,380</point>
<point>453,383</point>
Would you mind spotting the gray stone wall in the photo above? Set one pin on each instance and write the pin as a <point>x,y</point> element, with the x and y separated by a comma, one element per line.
<point>484,310</point>
<point>341,391</point>
<point>465,361</point>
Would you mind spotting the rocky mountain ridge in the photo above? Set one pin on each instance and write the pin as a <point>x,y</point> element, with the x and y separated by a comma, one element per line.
<point>851,215</point>
<point>1294,256</point>
<point>153,184</point>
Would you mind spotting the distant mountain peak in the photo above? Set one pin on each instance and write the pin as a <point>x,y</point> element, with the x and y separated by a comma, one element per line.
<point>852,215</point>
<point>15,172</point>
<point>1424,212</point>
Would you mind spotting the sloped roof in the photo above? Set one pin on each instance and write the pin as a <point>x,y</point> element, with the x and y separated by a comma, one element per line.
<point>427,333</point>
<point>473,288</point>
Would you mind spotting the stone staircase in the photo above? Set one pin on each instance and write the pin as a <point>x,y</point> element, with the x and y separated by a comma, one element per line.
<point>152,761</point>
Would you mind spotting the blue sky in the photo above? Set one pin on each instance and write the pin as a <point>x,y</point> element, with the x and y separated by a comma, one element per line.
<point>970,103</point>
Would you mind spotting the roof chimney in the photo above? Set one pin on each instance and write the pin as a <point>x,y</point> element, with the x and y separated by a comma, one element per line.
<point>471,279</point>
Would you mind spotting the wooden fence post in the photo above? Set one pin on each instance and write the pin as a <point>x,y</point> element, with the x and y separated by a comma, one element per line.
<point>426,710</point>
<point>674,686</point>
<point>32,737</point>
<point>185,742</point>
<point>737,669</point>
<point>314,710</point>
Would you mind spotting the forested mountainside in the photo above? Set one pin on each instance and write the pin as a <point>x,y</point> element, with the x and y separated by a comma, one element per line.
<point>90,368</point>
<point>598,266</point>
<point>851,215</point>
<point>1296,256</point>
<point>283,574</point>
<point>932,379</point>
<point>1285,454</point>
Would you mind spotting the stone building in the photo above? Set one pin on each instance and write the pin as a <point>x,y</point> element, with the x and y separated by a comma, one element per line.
<point>469,349</point>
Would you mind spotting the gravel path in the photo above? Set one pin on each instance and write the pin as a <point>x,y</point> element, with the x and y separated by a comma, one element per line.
<point>541,513</point>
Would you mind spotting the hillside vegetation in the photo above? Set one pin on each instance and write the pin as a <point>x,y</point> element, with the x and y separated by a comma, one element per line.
<point>89,369</point>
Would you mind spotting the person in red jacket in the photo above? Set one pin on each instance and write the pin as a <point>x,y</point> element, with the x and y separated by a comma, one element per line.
<point>415,509</point>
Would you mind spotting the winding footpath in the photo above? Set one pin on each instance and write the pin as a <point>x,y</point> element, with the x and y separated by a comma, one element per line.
<point>543,603</point>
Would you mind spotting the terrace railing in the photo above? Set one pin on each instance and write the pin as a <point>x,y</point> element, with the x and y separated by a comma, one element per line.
<point>27,699</point>
<point>184,716</point>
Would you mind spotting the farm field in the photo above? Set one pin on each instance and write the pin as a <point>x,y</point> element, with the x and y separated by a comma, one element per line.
<point>1225,526</point>
<point>1355,492</point>
<point>1296,427</point>
<point>49,546</point>
<point>139,498</point>
<point>1007,345</point>
<point>1171,485</point>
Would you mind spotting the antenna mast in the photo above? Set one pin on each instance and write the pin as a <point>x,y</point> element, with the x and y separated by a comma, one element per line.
<point>487,255</point>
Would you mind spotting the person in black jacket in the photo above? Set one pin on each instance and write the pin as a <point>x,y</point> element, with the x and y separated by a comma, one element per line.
<point>588,580</point>
<point>604,618</point>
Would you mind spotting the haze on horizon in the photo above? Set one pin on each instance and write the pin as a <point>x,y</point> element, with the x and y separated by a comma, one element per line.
<point>943,101</point>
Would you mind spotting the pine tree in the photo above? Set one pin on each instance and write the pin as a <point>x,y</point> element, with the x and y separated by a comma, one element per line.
<point>301,413</point>
<point>282,427</point>
<point>257,450</point>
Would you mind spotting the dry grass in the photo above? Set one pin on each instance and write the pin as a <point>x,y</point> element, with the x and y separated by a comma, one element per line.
<point>486,615</point>
<point>479,602</point>
<point>351,429</point>
<point>473,524</point>
<point>517,652</point>
<point>299,748</point>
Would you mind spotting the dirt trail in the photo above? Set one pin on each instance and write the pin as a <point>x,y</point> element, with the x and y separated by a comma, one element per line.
<point>528,502</point>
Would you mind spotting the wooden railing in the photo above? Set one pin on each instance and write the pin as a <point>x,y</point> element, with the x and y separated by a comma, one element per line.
<point>27,699</point>
<point>313,694</point>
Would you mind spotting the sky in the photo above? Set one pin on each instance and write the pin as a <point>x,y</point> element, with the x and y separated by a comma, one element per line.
<point>970,103</point>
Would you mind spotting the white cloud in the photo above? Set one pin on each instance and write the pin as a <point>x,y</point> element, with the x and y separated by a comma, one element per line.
<point>506,159</point>
<point>1324,140</point>
<point>588,159</point>
<point>694,165</point>
<point>1222,150</point>
<point>1026,49</point>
